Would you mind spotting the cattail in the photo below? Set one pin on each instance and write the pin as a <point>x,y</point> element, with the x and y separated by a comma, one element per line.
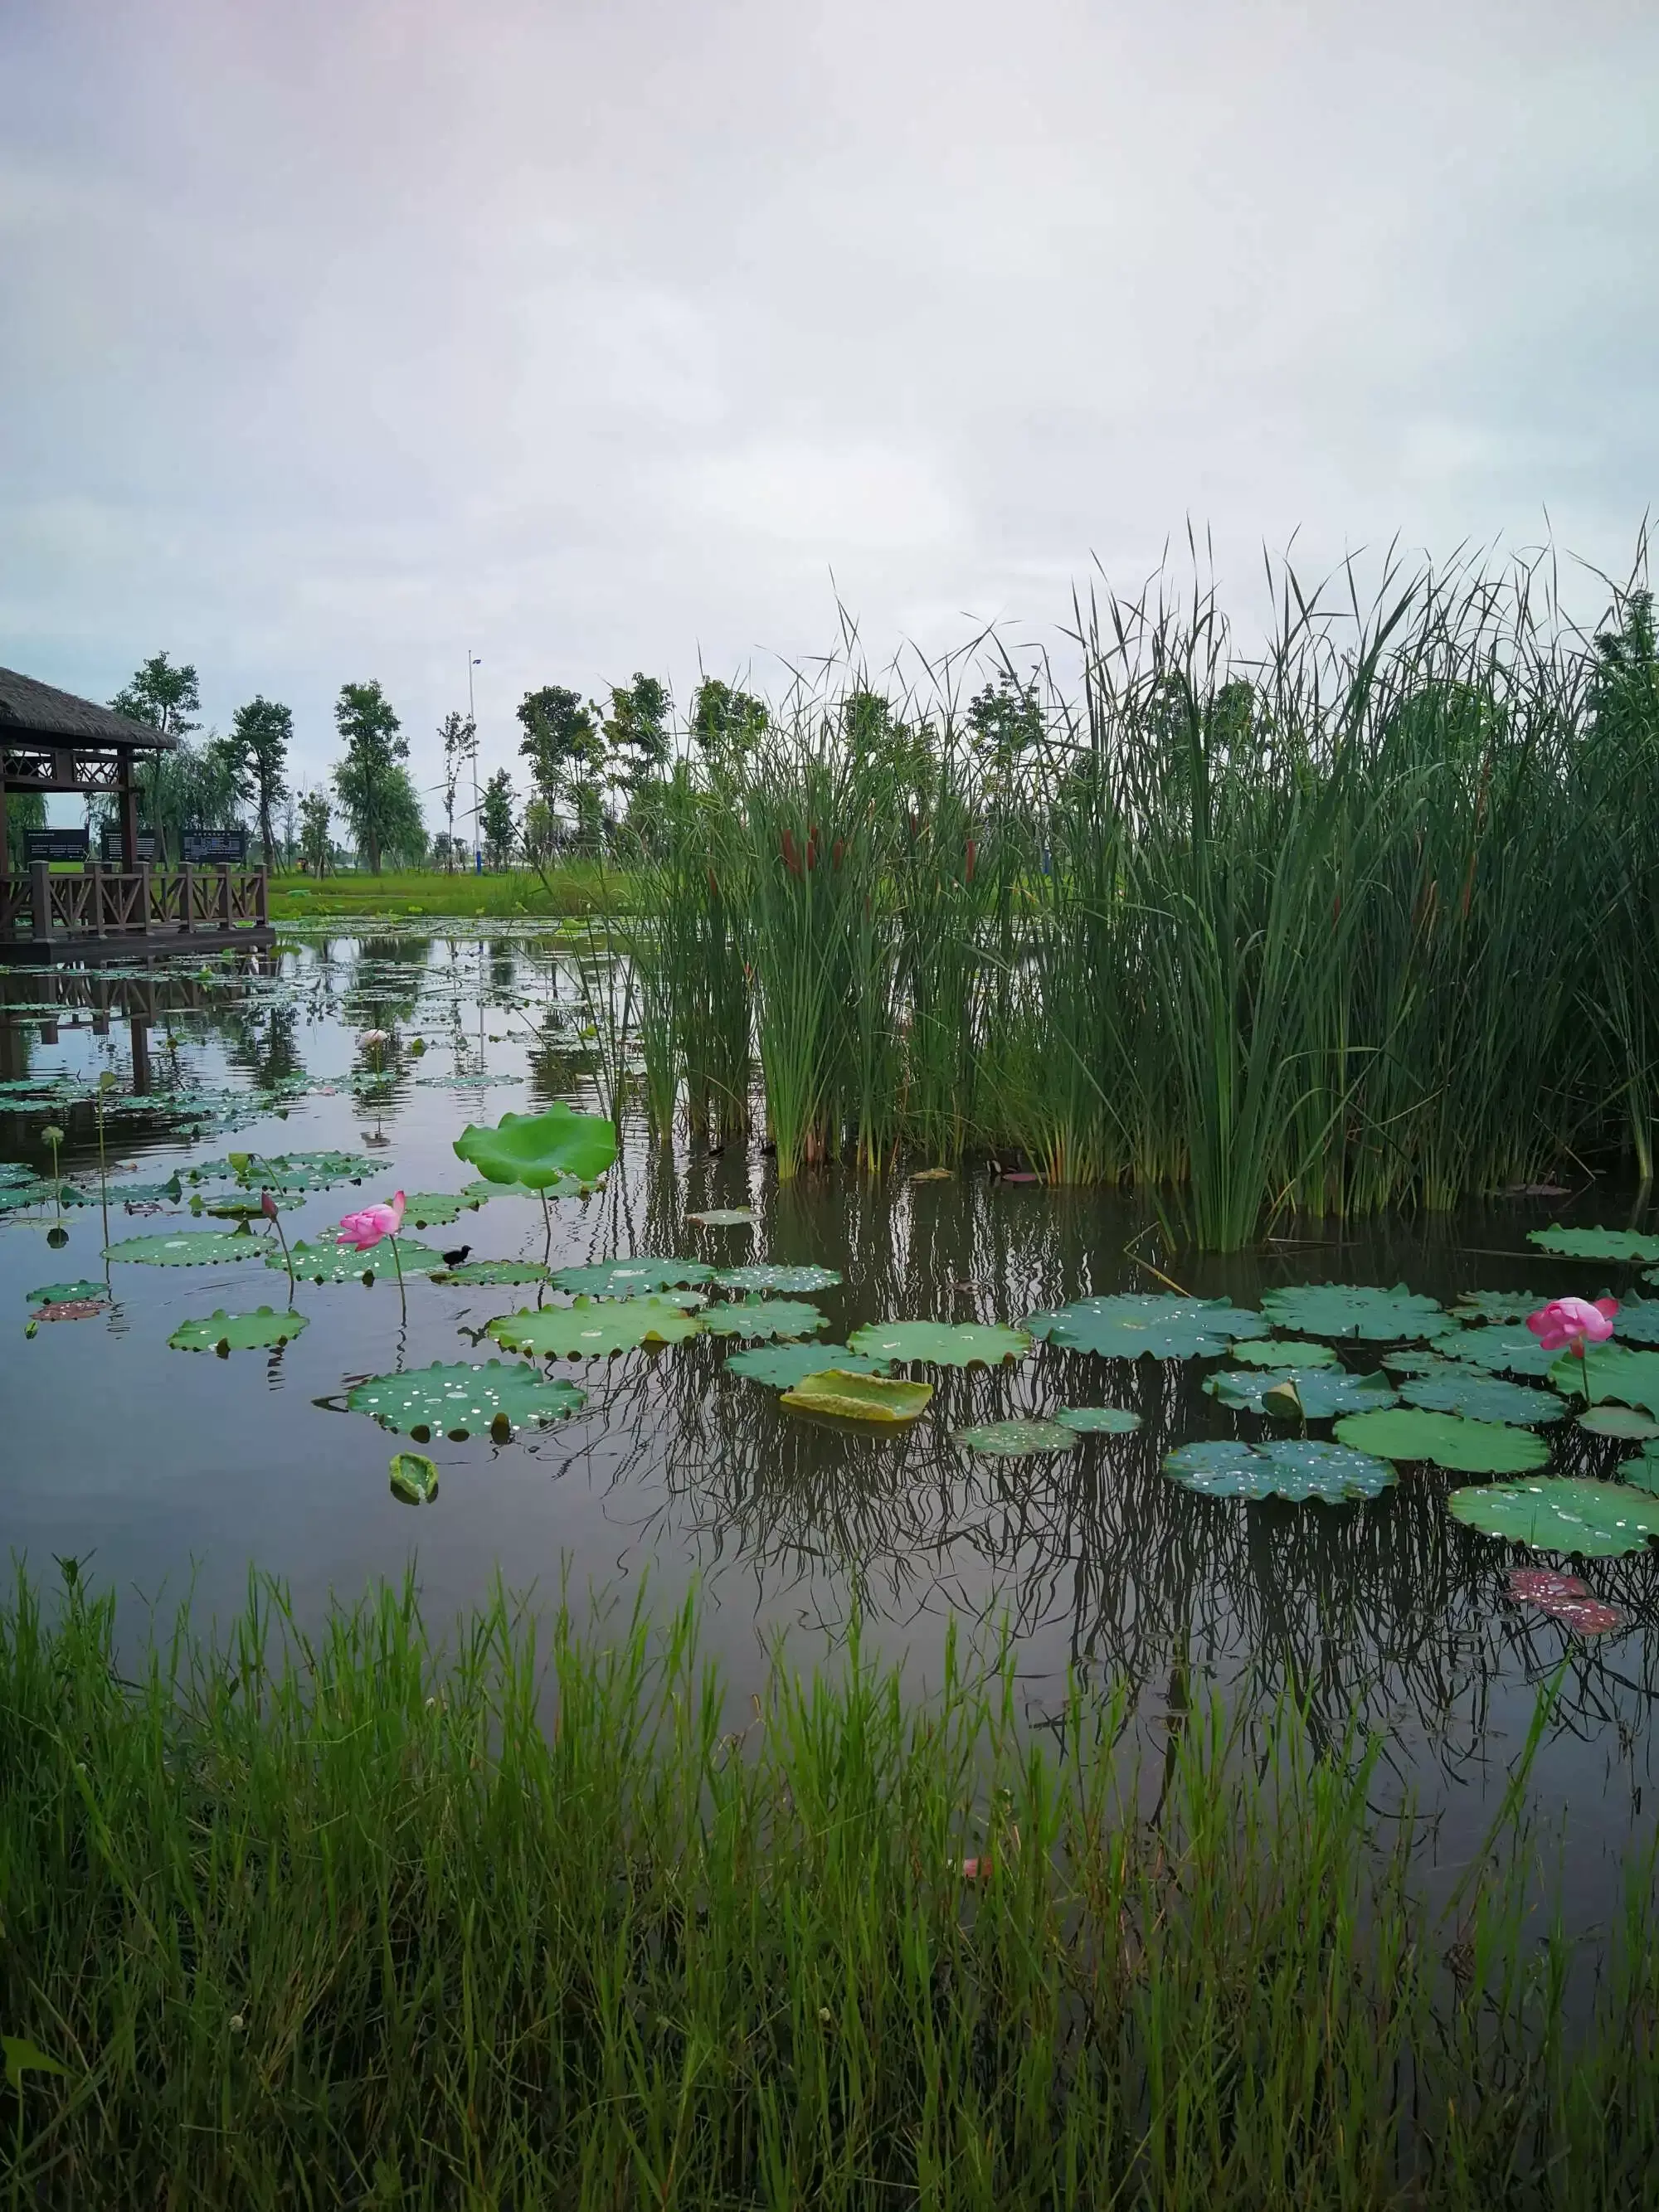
<point>791,852</point>
<point>972,850</point>
<point>812,846</point>
<point>837,854</point>
<point>713,884</point>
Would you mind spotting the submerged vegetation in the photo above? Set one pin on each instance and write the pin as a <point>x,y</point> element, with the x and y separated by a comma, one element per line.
<point>338,1919</point>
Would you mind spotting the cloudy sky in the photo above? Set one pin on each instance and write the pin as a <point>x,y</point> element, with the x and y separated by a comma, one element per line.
<point>342,335</point>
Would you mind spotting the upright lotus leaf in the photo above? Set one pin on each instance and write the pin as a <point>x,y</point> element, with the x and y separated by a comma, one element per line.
<point>61,1294</point>
<point>783,1365</point>
<point>1281,1467</point>
<point>836,1394</point>
<point>1357,1309</point>
<point>542,1150</point>
<point>753,1318</point>
<point>1497,1305</point>
<point>1017,1439</point>
<point>725,1217</point>
<point>1644,1470</point>
<point>225,1332</point>
<point>494,1271</point>
<point>1503,1351</point>
<point>767,1276</point>
<point>1098,1420</point>
<point>189,1247</point>
<point>595,1328</point>
<point>1324,1392</point>
<point>1562,1513</point>
<point>1411,1432</point>
<point>1624,1422</point>
<point>626,1278</point>
<point>1625,1244</point>
<point>941,1343</point>
<point>460,1401</point>
<point>432,1209</point>
<point>1637,1322</point>
<point>1158,1324</point>
<point>1613,1371</point>
<point>1458,1390</point>
<point>341,1263</point>
<point>1284,1352</point>
<point>414,1479</point>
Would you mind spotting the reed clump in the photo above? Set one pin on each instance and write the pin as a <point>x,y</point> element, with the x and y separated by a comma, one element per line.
<point>340,1919</point>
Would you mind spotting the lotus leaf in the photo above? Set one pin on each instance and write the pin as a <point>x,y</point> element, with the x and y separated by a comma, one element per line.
<point>1497,1305</point>
<point>248,1207</point>
<point>1637,1322</point>
<point>479,1194</point>
<point>224,1332</point>
<point>1565,1599</point>
<point>1357,1309</point>
<point>1414,1360</point>
<point>1623,1421</point>
<point>289,1171</point>
<point>1098,1420</point>
<point>1562,1513</point>
<point>1017,1439</point>
<point>1483,1397</point>
<point>623,1278</point>
<point>595,1329</point>
<point>1283,1351</point>
<point>783,1365</point>
<point>340,1263</point>
<point>941,1344</point>
<point>413,1479</point>
<point>1158,1324</point>
<point>188,1248</point>
<point>793,1281</point>
<point>1323,1392</point>
<point>459,1401</point>
<point>1632,1377</point>
<point>725,1217</point>
<point>493,1271</point>
<point>543,1150</point>
<point>150,1193</point>
<point>58,1294</point>
<point>765,1317</point>
<point>1411,1432</point>
<point>16,1198</point>
<point>1503,1351</point>
<point>1281,1467</point>
<point>1627,1244</point>
<point>432,1209</point>
<point>1644,1470</point>
<point>837,1394</point>
<point>69,1310</point>
<point>13,1171</point>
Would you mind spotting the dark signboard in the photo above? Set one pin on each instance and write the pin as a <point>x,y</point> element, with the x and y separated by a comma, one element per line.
<point>110,848</point>
<point>57,844</point>
<point>215,848</point>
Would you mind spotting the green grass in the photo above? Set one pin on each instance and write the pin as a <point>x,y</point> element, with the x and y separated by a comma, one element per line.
<point>340,1920</point>
<point>574,887</point>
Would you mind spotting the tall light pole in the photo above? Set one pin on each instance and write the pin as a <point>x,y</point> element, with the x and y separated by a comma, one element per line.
<point>472,662</point>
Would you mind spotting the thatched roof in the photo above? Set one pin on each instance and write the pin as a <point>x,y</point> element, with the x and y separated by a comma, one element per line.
<point>28,710</point>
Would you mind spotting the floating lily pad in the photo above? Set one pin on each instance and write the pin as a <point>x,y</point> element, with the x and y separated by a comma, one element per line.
<point>783,1365</point>
<point>170,1192</point>
<point>458,1401</point>
<point>1098,1420</point>
<point>942,1344</point>
<point>69,1310</point>
<point>1282,1468</point>
<point>543,1150</point>
<point>1624,1421</point>
<point>1627,1244</point>
<point>765,1317</point>
<point>596,1329</point>
<point>1323,1392</point>
<point>1632,1377</point>
<point>1637,1322</point>
<point>1562,1513</point>
<point>188,1248</point>
<point>1503,1351</point>
<point>343,1263</point>
<point>1017,1439</point>
<point>1158,1324</point>
<point>479,1194</point>
<point>1483,1397</point>
<point>725,1217</point>
<point>1414,1359</point>
<point>1411,1432</point>
<point>244,1331</point>
<point>58,1294</point>
<point>248,1205</point>
<point>432,1209</point>
<point>414,1479</point>
<point>1564,1598</point>
<point>17,1198</point>
<point>284,1171</point>
<point>1644,1470</point>
<point>794,1281</point>
<point>625,1278</point>
<point>835,1393</point>
<point>1498,1305</point>
<point>1355,1309</point>
<point>494,1271</point>
<point>1283,1351</point>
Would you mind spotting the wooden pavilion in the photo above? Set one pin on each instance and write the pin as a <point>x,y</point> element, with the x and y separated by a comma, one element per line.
<point>51,741</point>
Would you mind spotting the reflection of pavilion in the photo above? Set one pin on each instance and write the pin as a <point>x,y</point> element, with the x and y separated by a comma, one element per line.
<point>51,741</point>
<point>76,998</point>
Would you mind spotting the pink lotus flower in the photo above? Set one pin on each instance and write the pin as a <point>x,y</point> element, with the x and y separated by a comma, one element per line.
<point>365,1229</point>
<point>1572,1322</point>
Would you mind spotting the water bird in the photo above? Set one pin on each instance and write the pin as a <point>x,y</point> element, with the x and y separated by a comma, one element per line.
<point>458,1257</point>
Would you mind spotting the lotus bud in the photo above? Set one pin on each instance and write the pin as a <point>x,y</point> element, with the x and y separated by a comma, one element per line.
<point>267,1206</point>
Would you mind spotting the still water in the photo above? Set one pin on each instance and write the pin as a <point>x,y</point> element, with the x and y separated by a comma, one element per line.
<point>166,1470</point>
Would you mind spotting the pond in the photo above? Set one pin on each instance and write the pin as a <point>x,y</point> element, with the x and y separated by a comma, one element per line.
<point>166,1469</point>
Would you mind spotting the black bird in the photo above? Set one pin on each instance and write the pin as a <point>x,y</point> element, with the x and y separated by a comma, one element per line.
<point>458,1257</point>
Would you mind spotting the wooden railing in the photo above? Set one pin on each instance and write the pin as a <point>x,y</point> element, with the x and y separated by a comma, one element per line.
<point>45,907</point>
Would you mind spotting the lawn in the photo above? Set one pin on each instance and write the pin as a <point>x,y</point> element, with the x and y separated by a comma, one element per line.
<point>572,887</point>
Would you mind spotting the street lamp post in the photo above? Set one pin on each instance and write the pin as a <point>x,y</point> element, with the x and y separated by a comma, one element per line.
<point>472,662</point>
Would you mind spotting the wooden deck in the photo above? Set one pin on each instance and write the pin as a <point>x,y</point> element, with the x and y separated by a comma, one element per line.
<point>106,914</point>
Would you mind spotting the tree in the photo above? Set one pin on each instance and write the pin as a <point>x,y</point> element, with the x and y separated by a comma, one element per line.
<point>1005,718</point>
<point>636,731</point>
<point>403,826</point>
<point>495,815</point>
<point>25,811</point>
<point>161,695</point>
<point>561,743</point>
<point>262,732</point>
<point>365,777</point>
<point>726,726</point>
<point>459,733</point>
<point>315,812</point>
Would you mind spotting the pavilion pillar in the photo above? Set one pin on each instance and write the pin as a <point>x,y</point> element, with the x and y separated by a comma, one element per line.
<point>128,815</point>
<point>5,843</point>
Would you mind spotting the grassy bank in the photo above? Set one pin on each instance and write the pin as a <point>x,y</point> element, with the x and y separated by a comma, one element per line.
<point>574,887</point>
<point>349,1928</point>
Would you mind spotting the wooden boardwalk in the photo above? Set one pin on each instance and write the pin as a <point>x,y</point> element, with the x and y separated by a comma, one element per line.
<point>108,914</point>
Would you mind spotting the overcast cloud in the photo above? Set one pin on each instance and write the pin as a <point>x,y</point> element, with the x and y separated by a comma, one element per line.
<point>337,338</point>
